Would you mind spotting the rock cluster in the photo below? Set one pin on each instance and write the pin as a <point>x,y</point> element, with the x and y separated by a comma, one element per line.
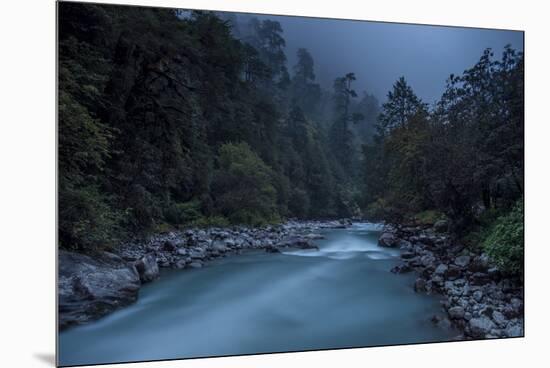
<point>193,247</point>
<point>479,300</point>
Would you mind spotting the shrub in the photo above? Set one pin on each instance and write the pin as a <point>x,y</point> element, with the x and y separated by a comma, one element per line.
<point>183,213</point>
<point>242,188</point>
<point>429,217</point>
<point>89,222</point>
<point>504,241</point>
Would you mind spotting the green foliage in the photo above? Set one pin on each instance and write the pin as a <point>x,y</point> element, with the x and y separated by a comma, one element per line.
<point>504,240</point>
<point>217,221</point>
<point>87,221</point>
<point>243,187</point>
<point>463,158</point>
<point>402,104</point>
<point>183,213</point>
<point>429,217</point>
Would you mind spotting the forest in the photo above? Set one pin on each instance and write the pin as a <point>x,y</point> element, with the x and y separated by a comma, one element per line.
<point>169,119</point>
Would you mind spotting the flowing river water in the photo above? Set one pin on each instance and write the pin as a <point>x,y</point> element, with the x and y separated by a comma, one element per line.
<point>341,295</point>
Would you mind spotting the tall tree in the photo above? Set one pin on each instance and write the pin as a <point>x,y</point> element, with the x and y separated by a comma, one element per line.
<point>305,92</point>
<point>402,103</point>
<point>342,137</point>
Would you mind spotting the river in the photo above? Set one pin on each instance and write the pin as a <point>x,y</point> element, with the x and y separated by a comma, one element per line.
<point>341,295</point>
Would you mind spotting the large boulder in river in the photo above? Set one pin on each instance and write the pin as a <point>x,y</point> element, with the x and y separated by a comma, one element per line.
<point>147,268</point>
<point>387,239</point>
<point>296,242</point>
<point>90,286</point>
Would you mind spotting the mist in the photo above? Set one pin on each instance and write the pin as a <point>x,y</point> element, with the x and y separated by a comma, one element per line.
<point>379,53</point>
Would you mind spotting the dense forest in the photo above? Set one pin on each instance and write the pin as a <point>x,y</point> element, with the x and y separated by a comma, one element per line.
<point>170,118</point>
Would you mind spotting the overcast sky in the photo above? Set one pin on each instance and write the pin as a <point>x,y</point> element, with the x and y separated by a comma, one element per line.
<point>379,53</point>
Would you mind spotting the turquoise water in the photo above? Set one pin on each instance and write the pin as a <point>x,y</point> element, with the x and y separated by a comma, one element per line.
<point>342,295</point>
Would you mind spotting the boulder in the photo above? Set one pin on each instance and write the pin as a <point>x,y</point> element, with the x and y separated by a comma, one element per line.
<point>314,236</point>
<point>481,326</point>
<point>479,264</point>
<point>477,295</point>
<point>404,268</point>
<point>272,249</point>
<point>230,243</point>
<point>197,253</point>
<point>147,268</point>
<point>480,278</point>
<point>196,264</point>
<point>387,240</point>
<point>462,261</point>
<point>453,272</point>
<point>428,261</point>
<point>168,246</point>
<point>515,330</point>
<point>420,285</point>
<point>456,312</point>
<point>181,263</point>
<point>90,286</point>
<point>296,242</point>
<point>408,255</point>
<point>441,269</point>
<point>428,240</point>
<point>219,246</point>
<point>499,319</point>
<point>404,244</point>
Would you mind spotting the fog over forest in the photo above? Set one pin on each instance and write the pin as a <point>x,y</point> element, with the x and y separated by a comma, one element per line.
<point>379,53</point>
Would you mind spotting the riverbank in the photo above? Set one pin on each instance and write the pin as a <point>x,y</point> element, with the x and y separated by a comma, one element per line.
<point>480,301</point>
<point>95,284</point>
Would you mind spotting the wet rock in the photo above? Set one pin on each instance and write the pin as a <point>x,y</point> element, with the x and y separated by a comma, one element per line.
<point>181,263</point>
<point>196,264</point>
<point>404,244</point>
<point>91,286</point>
<point>479,264</point>
<point>493,273</point>
<point>441,269</point>
<point>219,246</point>
<point>168,246</point>
<point>197,253</point>
<point>453,272</point>
<point>387,240</point>
<point>403,268</point>
<point>297,242</point>
<point>420,285</point>
<point>427,260</point>
<point>462,261</point>
<point>456,312</point>
<point>314,236</point>
<point>272,249</point>
<point>147,268</point>
<point>408,255</point>
<point>442,322</point>
<point>499,319</point>
<point>481,326</point>
<point>514,331</point>
<point>477,295</point>
<point>480,278</point>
